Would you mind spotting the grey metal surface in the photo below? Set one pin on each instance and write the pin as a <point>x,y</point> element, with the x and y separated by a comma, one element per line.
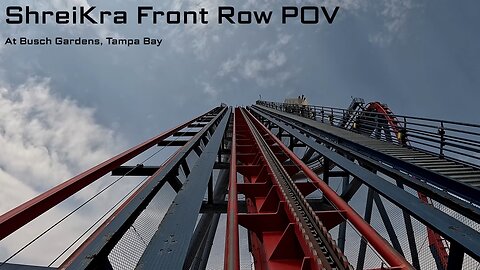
<point>12,266</point>
<point>412,156</point>
<point>104,241</point>
<point>168,247</point>
<point>208,220</point>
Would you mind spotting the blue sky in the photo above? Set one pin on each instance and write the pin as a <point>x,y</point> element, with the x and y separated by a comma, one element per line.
<point>416,56</point>
<point>420,57</point>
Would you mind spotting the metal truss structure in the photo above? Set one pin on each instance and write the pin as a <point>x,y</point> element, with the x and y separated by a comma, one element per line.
<point>309,187</point>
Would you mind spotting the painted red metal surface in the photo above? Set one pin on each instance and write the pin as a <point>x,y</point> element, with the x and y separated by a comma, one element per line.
<point>435,241</point>
<point>232,260</point>
<point>26,212</point>
<point>276,238</point>
<point>391,256</point>
<point>385,112</point>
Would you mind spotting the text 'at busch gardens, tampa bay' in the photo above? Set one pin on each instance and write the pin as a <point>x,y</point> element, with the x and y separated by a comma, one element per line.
<point>150,15</point>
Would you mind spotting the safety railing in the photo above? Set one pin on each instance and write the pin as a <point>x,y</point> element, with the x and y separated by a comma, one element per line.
<point>454,140</point>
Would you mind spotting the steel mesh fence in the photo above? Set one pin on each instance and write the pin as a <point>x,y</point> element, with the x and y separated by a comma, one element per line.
<point>128,251</point>
<point>468,262</point>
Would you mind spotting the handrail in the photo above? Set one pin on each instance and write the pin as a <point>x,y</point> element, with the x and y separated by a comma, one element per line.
<point>440,137</point>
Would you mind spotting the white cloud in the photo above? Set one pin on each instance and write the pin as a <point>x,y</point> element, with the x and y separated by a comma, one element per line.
<point>12,192</point>
<point>45,140</point>
<point>266,65</point>
<point>396,10</point>
<point>229,66</point>
<point>194,38</point>
<point>284,39</point>
<point>267,70</point>
<point>54,136</point>
<point>276,59</point>
<point>395,15</point>
<point>210,90</point>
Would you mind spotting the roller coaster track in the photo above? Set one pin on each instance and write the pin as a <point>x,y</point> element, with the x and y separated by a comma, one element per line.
<point>312,187</point>
<point>386,124</point>
<point>387,144</point>
<point>282,196</point>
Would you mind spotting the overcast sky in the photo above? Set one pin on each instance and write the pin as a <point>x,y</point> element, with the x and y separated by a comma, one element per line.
<point>63,109</point>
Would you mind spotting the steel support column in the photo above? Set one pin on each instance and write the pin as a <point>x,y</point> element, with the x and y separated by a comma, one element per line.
<point>168,247</point>
<point>362,252</point>
<point>342,230</point>
<point>412,243</point>
<point>388,224</point>
<point>102,241</point>
<point>199,238</point>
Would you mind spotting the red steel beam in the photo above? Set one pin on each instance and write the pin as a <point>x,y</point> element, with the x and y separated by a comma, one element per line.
<point>28,211</point>
<point>278,239</point>
<point>392,121</point>
<point>391,256</point>
<point>232,260</point>
<point>247,156</point>
<point>434,239</point>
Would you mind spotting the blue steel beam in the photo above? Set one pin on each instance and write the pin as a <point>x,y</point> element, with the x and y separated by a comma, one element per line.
<point>388,224</point>
<point>199,238</point>
<point>371,156</point>
<point>368,217</point>
<point>407,219</point>
<point>342,230</point>
<point>169,246</point>
<point>450,228</point>
<point>102,241</point>
<point>459,205</point>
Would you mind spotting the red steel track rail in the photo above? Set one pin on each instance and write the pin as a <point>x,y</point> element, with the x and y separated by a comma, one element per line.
<point>232,258</point>
<point>389,254</point>
<point>435,240</point>
<point>392,121</point>
<point>26,212</point>
<point>284,231</point>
